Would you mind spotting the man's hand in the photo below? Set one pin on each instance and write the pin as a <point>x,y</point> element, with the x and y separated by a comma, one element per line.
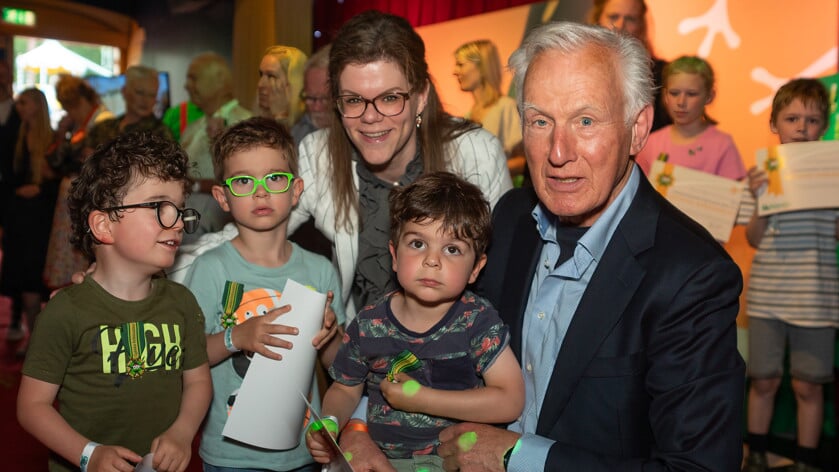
<point>363,454</point>
<point>471,447</point>
<point>257,333</point>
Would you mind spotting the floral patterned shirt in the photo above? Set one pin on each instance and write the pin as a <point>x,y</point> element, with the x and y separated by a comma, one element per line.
<point>453,356</point>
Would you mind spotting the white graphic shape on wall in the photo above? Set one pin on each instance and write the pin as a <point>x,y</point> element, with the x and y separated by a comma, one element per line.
<point>762,76</point>
<point>716,21</point>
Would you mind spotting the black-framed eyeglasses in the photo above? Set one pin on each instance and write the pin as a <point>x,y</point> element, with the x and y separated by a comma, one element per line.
<point>244,185</point>
<point>387,104</point>
<point>168,214</point>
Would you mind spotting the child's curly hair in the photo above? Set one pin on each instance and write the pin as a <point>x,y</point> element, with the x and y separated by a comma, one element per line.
<point>106,176</point>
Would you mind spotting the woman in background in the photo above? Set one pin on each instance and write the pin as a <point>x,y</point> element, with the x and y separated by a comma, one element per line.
<point>29,217</point>
<point>84,111</point>
<point>280,83</point>
<point>478,70</point>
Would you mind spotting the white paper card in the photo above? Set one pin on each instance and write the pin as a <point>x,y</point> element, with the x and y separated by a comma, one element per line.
<point>269,412</point>
<point>145,464</point>
<point>802,176</point>
<point>711,200</point>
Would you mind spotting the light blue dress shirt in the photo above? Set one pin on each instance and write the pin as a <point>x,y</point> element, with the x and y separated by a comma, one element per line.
<point>554,295</point>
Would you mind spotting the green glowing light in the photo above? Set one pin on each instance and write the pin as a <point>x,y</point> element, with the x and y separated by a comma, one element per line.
<point>18,16</point>
<point>467,441</point>
<point>411,388</point>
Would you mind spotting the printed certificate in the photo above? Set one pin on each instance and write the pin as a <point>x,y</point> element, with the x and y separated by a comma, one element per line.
<point>712,201</point>
<point>802,176</point>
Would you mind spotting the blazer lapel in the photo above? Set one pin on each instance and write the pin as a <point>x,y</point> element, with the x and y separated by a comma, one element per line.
<point>610,290</point>
<point>521,268</point>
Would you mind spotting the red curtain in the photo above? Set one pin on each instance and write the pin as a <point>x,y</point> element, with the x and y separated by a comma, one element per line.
<point>329,15</point>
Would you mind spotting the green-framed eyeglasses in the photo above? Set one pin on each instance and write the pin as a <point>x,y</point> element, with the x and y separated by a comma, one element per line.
<point>244,185</point>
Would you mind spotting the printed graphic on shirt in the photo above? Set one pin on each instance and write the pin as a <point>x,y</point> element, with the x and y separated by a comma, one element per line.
<point>255,302</point>
<point>136,348</point>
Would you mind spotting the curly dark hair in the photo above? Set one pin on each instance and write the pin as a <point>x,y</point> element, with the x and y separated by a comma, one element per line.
<point>106,176</point>
<point>251,133</point>
<point>443,196</point>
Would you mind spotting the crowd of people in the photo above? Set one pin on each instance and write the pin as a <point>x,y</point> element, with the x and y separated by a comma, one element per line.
<point>465,324</point>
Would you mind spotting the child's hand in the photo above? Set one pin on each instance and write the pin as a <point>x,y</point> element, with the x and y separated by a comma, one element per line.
<point>112,458</point>
<point>757,180</point>
<point>405,394</point>
<point>329,326</point>
<point>317,444</point>
<point>172,451</point>
<point>256,334</point>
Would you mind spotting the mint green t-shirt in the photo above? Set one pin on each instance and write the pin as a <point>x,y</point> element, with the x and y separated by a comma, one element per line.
<point>260,292</point>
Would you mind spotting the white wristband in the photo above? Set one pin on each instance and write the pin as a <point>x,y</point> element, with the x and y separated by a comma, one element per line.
<point>86,453</point>
<point>228,340</point>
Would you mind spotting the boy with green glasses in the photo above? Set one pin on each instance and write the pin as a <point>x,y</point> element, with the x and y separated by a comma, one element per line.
<point>237,284</point>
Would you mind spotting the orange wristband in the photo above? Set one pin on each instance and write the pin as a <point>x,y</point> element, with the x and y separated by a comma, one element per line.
<point>355,426</point>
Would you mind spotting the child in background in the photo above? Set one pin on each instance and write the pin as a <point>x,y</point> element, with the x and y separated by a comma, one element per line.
<point>454,340</point>
<point>692,140</point>
<point>255,163</point>
<point>123,351</point>
<point>793,291</point>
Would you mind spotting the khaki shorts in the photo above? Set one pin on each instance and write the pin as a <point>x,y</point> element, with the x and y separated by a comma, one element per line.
<point>810,351</point>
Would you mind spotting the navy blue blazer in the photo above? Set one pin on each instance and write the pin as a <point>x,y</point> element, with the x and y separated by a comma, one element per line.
<point>648,376</point>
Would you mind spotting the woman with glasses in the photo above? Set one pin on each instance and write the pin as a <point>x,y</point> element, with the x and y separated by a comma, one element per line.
<point>389,128</point>
<point>280,84</point>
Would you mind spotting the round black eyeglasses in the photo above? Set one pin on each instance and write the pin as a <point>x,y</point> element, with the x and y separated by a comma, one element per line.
<point>168,214</point>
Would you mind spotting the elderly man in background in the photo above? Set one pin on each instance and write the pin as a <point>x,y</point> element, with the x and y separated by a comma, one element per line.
<point>315,95</point>
<point>209,83</point>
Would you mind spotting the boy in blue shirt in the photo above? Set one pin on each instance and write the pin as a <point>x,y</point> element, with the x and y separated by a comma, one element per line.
<point>237,284</point>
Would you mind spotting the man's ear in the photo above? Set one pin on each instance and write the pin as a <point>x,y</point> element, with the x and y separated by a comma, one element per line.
<point>221,197</point>
<point>100,225</point>
<point>641,130</point>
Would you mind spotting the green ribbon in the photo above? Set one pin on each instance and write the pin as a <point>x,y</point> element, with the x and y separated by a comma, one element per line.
<point>406,361</point>
<point>230,300</point>
<point>134,340</point>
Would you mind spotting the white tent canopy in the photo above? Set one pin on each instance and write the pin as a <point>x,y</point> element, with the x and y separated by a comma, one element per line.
<point>51,58</point>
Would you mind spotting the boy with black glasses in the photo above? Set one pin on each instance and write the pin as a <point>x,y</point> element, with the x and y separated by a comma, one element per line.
<point>123,351</point>
<point>238,283</point>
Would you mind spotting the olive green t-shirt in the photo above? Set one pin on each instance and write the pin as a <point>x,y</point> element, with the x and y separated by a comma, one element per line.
<point>86,340</point>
